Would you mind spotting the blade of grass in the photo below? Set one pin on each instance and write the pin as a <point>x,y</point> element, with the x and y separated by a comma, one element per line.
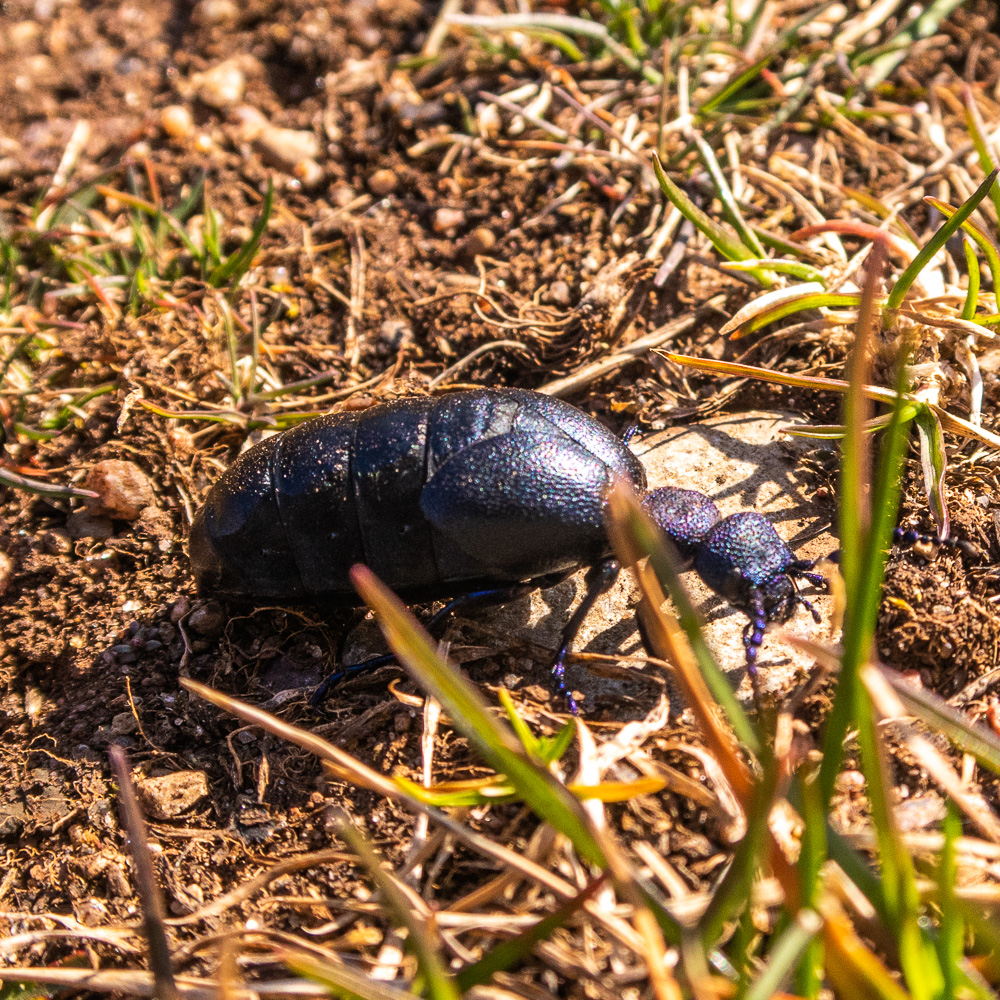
<point>976,129</point>
<point>796,268</point>
<point>508,954</point>
<point>979,237</point>
<point>855,526</point>
<point>725,243</point>
<point>784,302</point>
<point>866,532</point>
<point>496,745</point>
<point>934,463</point>
<point>972,266</point>
<point>232,269</point>
<point>725,195</point>
<point>421,935</point>
<point>786,951</point>
<point>634,536</point>
<point>949,422</point>
<point>936,242</point>
<point>952,935</point>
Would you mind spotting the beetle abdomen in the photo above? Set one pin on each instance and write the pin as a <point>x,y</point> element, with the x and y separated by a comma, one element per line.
<point>238,546</point>
<point>486,485</point>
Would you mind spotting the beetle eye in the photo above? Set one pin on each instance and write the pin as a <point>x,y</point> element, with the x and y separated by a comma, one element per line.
<point>734,587</point>
<point>779,598</point>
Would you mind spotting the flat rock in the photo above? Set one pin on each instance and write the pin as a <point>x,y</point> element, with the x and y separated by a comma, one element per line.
<point>743,462</point>
<point>169,795</point>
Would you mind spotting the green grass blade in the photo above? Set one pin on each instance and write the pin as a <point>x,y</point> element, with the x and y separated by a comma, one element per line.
<point>796,268</point>
<point>232,269</point>
<point>952,934</point>
<point>531,744</point>
<point>420,936</point>
<point>787,306</point>
<point>936,242</point>
<point>786,952</point>
<point>507,954</point>
<point>979,237</point>
<point>725,243</point>
<point>725,195</point>
<point>812,857</point>
<point>496,745</point>
<point>976,129</point>
<point>735,85</point>
<point>934,462</point>
<point>972,266</point>
<point>855,525</point>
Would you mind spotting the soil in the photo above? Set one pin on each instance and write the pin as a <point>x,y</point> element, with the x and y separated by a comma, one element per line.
<point>403,241</point>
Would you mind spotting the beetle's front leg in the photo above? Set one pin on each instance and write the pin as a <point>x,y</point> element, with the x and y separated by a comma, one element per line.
<point>599,580</point>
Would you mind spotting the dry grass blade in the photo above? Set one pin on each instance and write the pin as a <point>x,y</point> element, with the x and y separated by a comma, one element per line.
<point>145,879</point>
<point>671,644</point>
<point>353,770</point>
<point>422,937</point>
<point>142,984</point>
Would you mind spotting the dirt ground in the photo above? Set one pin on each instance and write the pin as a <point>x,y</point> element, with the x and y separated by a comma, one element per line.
<point>406,233</point>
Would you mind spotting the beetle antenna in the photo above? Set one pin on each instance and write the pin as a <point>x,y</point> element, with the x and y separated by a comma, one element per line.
<point>753,633</point>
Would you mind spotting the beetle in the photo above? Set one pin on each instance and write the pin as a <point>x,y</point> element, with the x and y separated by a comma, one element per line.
<point>477,496</point>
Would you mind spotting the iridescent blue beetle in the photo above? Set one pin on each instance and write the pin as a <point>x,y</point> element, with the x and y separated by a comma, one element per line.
<point>475,496</point>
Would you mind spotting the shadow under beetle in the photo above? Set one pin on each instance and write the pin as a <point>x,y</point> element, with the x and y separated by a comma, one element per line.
<point>477,496</point>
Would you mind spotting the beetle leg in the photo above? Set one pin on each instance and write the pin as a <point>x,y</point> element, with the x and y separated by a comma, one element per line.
<point>600,579</point>
<point>475,598</point>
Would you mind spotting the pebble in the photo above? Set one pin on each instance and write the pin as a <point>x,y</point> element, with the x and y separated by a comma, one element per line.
<point>6,572</point>
<point>215,12</point>
<point>447,220</point>
<point>383,182</point>
<point>22,34</point>
<point>286,147</point>
<point>310,173</point>
<point>249,122</point>
<point>180,609</point>
<point>169,795</point>
<point>557,294</point>
<point>480,241</point>
<point>208,619</point>
<point>221,86</point>
<point>176,121</point>
<point>124,724</point>
<point>124,490</point>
